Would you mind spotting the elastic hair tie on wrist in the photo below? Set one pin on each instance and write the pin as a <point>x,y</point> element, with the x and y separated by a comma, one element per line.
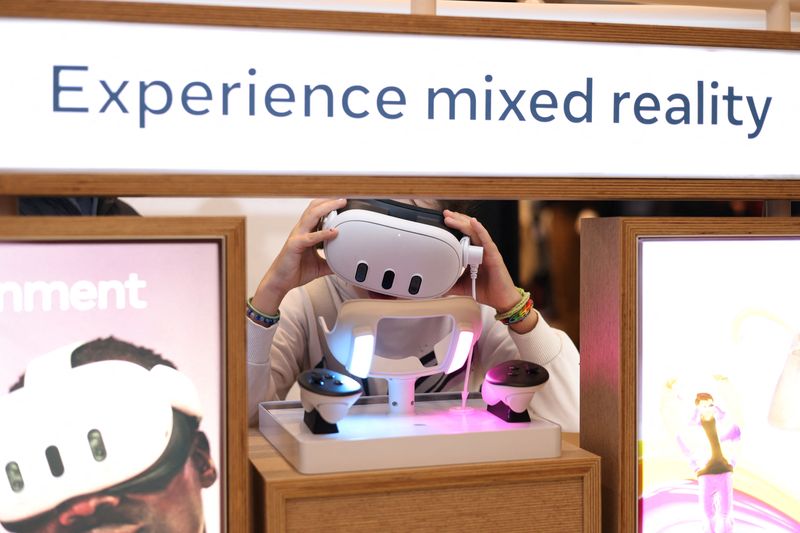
<point>258,317</point>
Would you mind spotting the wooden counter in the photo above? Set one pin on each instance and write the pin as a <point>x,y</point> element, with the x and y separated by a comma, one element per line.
<point>560,495</point>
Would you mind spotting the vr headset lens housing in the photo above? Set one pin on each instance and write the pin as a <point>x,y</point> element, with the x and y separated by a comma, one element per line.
<point>101,425</point>
<point>395,249</point>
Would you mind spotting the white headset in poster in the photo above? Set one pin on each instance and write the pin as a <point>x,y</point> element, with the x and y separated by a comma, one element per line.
<point>113,351</point>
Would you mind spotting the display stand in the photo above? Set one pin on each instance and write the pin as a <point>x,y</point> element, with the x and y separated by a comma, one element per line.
<point>438,433</point>
<point>558,494</point>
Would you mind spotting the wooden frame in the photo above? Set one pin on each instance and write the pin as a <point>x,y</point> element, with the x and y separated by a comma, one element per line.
<point>609,340</point>
<point>227,236</point>
<point>177,184</point>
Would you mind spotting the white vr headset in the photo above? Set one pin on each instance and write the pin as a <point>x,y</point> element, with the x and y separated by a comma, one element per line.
<point>397,249</point>
<point>75,431</point>
<point>352,340</point>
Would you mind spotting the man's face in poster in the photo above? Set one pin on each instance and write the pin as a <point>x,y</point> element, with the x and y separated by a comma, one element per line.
<point>175,507</point>
<point>155,487</point>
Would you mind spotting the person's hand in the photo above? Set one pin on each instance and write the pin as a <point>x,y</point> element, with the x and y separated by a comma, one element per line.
<point>494,287</point>
<point>298,261</point>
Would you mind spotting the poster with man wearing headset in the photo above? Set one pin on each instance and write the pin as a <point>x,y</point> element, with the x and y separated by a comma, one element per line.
<point>111,386</point>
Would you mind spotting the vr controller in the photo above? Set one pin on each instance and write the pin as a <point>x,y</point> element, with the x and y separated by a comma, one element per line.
<point>326,397</point>
<point>397,249</point>
<point>509,388</point>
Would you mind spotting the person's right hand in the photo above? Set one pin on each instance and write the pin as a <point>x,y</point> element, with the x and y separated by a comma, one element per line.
<point>298,261</point>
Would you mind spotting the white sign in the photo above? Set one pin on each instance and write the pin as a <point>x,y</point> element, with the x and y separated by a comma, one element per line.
<point>145,97</point>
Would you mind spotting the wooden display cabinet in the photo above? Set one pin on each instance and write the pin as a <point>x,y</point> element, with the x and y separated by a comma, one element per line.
<point>560,495</point>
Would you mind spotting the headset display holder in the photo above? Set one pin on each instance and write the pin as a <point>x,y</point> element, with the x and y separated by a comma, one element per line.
<point>438,433</point>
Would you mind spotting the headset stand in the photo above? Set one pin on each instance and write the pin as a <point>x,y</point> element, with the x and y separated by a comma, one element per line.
<point>401,395</point>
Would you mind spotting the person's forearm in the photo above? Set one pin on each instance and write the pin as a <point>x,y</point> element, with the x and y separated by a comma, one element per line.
<point>259,380</point>
<point>268,296</point>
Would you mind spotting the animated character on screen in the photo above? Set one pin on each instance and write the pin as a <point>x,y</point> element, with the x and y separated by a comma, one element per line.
<point>702,443</point>
<point>105,436</point>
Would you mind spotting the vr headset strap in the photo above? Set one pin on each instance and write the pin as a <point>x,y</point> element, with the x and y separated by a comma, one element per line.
<point>321,297</point>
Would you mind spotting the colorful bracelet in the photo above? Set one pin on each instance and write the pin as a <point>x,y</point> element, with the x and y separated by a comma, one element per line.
<point>519,311</point>
<point>260,318</point>
<point>520,316</point>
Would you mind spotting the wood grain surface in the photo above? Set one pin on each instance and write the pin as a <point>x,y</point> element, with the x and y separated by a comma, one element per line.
<point>560,494</point>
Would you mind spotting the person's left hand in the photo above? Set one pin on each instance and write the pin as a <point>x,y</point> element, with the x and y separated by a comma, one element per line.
<point>495,287</point>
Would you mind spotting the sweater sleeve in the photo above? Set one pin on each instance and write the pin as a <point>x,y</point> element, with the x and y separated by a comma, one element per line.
<point>558,400</point>
<point>275,354</point>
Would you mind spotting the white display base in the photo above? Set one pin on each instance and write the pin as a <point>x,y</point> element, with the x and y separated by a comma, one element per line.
<point>438,434</point>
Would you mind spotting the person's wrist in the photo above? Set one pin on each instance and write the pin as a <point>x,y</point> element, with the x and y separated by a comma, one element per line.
<point>521,317</point>
<point>268,297</point>
<point>506,299</point>
<point>512,301</point>
<point>527,324</point>
<point>260,317</point>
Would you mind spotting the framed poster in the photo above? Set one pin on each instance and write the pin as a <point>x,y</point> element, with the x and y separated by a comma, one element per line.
<point>122,343</point>
<point>690,363</point>
<point>719,417</point>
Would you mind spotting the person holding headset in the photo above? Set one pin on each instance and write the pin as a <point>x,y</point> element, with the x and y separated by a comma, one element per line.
<point>282,337</point>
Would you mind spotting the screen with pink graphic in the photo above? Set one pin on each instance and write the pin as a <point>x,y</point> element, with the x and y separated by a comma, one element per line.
<point>159,295</point>
<point>718,427</point>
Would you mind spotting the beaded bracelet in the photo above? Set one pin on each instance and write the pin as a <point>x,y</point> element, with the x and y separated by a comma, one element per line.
<point>519,311</point>
<point>260,318</point>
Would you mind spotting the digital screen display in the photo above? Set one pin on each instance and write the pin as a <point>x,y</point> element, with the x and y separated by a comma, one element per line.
<point>162,296</point>
<point>719,385</point>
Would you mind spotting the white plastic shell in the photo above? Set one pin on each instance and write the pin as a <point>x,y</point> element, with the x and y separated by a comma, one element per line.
<point>331,408</point>
<point>407,249</point>
<point>128,405</point>
<point>516,398</point>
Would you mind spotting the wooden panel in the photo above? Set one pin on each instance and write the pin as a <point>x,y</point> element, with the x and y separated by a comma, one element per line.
<point>560,494</point>
<point>392,23</point>
<point>236,503</point>
<point>479,187</point>
<point>503,507</point>
<point>794,5</point>
<point>8,206</point>
<point>601,330</point>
